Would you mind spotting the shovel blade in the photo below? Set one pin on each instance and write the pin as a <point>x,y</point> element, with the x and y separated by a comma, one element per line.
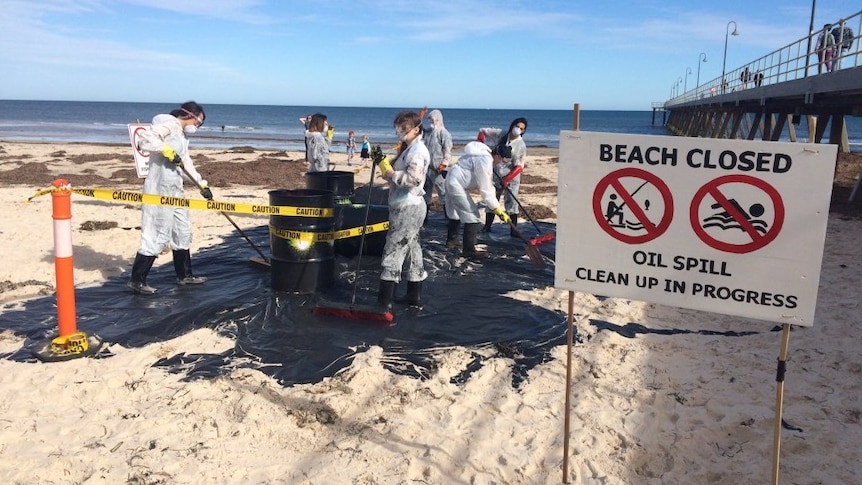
<point>535,255</point>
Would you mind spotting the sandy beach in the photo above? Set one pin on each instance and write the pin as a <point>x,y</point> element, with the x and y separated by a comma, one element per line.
<point>675,396</point>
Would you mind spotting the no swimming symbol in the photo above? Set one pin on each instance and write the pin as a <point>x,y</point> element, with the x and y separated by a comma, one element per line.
<point>737,214</point>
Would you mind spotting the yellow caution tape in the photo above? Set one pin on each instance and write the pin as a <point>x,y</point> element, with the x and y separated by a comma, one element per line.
<point>127,197</point>
<point>318,237</point>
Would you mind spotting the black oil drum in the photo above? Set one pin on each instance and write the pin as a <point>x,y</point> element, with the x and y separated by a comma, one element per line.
<point>338,181</point>
<point>302,247</point>
<point>350,217</point>
<point>379,195</point>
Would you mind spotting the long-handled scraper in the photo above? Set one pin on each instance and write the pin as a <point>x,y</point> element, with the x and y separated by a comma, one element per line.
<point>243,234</point>
<point>541,238</point>
<point>352,310</point>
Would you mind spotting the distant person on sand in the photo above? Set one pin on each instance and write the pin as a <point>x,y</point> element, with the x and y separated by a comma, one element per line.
<point>305,121</point>
<point>439,144</point>
<point>351,146</point>
<point>509,145</point>
<point>317,144</point>
<point>365,151</point>
<point>167,142</point>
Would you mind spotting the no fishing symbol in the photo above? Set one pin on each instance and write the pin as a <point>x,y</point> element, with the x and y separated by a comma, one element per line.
<point>632,205</point>
<point>737,214</point>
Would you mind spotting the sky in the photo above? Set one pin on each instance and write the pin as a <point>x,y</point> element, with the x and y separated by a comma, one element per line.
<point>602,55</point>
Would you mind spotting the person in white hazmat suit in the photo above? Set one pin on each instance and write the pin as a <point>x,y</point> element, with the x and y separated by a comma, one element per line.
<point>474,171</point>
<point>407,210</point>
<point>318,139</point>
<point>510,144</point>
<point>439,143</point>
<point>167,143</point>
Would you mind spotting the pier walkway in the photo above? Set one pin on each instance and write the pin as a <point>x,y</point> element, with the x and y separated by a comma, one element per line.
<point>771,95</point>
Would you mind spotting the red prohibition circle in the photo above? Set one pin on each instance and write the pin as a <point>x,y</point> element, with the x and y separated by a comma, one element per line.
<point>135,141</point>
<point>758,241</point>
<point>612,180</point>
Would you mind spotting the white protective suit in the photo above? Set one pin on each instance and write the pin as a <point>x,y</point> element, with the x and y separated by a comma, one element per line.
<point>163,225</point>
<point>519,158</point>
<point>439,144</point>
<point>316,151</point>
<point>406,214</point>
<point>474,170</point>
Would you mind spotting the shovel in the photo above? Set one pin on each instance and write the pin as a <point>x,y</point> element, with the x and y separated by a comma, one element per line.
<point>253,245</point>
<point>530,247</point>
<point>541,238</point>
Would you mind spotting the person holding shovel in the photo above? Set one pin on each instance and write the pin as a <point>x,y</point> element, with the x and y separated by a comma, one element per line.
<point>167,143</point>
<point>508,174</point>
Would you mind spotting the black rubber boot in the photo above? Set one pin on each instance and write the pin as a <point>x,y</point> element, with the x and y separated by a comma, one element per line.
<point>453,226</point>
<point>384,296</point>
<point>413,298</point>
<point>140,270</point>
<point>489,220</point>
<point>183,267</point>
<point>469,250</point>
<point>514,218</point>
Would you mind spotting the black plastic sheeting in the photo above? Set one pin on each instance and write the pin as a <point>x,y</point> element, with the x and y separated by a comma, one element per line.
<point>465,304</point>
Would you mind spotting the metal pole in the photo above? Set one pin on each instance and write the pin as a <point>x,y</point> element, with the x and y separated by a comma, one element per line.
<point>724,61</point>
<point>810,35</point>
<point>698,67</point>
<point>685,84</point>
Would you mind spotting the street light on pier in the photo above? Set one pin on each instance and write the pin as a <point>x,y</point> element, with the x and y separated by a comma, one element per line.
<point>699,60</point>
<point>678,82</point>
<point>685,84</point>
<point>724,62</point>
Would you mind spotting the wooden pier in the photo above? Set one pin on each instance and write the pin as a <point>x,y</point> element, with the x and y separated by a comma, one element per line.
<point>770,96</point>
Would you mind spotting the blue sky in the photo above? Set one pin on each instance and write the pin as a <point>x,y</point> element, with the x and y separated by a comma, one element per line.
<point>454,54</point>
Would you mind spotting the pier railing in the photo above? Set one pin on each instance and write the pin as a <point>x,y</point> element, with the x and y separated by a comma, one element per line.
<point>797,60</point>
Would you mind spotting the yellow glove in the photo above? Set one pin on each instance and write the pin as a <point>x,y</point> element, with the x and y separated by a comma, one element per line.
<point>171,155</point>
<point>502,214</point>
<point>385,166</point>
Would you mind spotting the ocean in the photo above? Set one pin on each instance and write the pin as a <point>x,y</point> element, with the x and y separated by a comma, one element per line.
<point>278,127</point>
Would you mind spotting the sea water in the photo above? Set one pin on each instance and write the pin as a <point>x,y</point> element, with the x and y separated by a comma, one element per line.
<point>279,128</point>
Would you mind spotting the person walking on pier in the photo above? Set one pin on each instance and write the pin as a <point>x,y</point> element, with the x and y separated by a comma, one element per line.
<point>744,77</point>
<point>825,49</point>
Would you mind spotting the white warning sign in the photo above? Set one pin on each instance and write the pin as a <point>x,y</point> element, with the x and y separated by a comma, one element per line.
<point>729,226</point>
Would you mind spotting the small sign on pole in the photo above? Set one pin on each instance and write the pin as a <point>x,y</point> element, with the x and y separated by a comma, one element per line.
<point>142,160</point>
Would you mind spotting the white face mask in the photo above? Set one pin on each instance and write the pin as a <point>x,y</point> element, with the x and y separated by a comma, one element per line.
<point>516,131</point>
<point>402,135</point>
<point>190,129</point>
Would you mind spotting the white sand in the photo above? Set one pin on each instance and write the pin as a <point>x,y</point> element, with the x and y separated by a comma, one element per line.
<point>663,409</point>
